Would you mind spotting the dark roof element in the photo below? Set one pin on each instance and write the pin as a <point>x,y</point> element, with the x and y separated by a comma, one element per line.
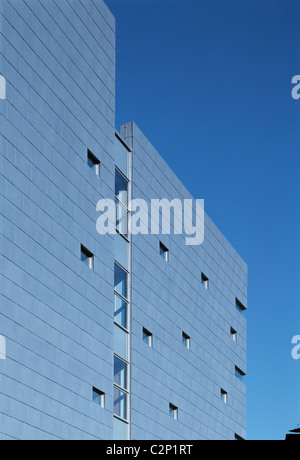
<point>297,430</point>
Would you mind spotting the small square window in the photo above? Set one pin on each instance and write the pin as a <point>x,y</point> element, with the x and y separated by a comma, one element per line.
<point>99,397</point>
<point>233,334</point>
<point>186,340</point>
<point>239,305</point>
<point>173,411</point>
<point>93,163</point>
<point>164,251</point>
<point>205,281</point>
<point>87,257</point>
<point>239,374</point>
<point>147,337</point>
<point>224,396</point>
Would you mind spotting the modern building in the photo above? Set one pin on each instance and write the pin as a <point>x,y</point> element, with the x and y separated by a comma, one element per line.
<point>106,336</point>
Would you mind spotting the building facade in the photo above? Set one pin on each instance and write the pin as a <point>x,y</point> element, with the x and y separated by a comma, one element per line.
<point>113,336</point>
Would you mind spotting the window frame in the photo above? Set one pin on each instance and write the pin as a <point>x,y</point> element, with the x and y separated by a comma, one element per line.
<point>147,337</point>
<point>122,360</point>
<point>126,297</point>
<point>125,314</point>
<point>122,321</point>
<point>122,219</point>
<point>205,281</point>
<point>117,197</point>
<point>239,374</point>
<point>101,395</point>
<point>173,412</point>
<point>91,158</point>
<point>186,340</point>
<point>224,396</point>
<point>89,257</point>
<point>240,307</point>
<point>126,411</point>
<point>233,334</point>
<point>164,252</point>
<point>121,224</point>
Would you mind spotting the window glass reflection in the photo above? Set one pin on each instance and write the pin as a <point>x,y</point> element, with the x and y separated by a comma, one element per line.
<point>120,373</point>
<point>120,281</point>
<point>120,403</point>
<point>121,188</point>
<point>120,311</point>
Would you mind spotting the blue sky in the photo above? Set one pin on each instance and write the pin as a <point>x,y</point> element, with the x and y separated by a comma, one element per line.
<point>209,83</point>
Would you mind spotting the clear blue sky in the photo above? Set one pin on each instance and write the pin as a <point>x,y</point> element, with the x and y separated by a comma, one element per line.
<point>209,83</point>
